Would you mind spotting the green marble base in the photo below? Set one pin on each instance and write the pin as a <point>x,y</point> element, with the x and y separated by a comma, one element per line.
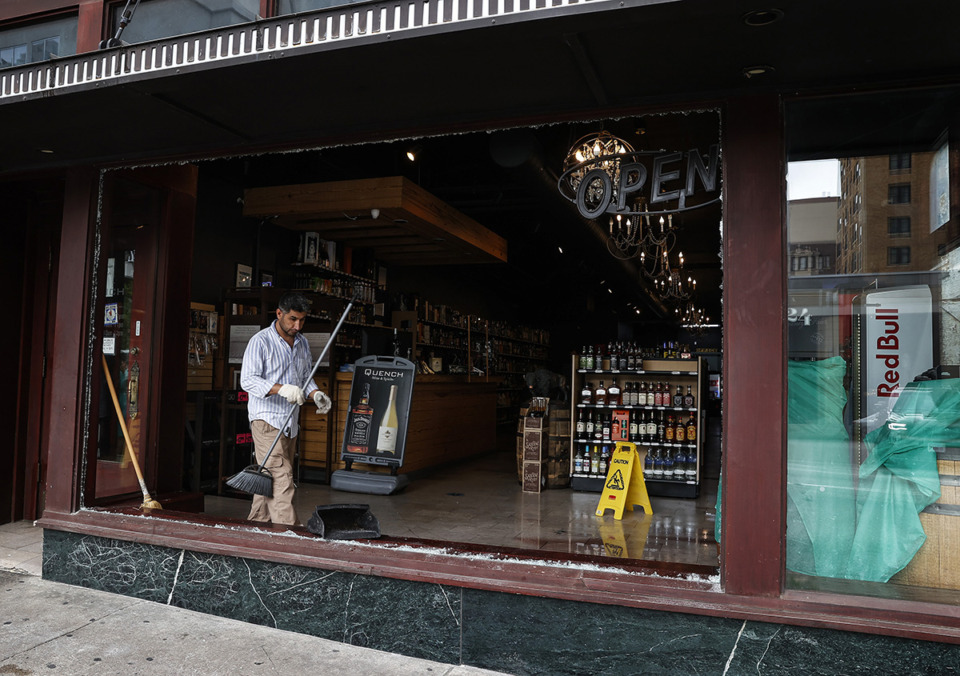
<point>504,632</point>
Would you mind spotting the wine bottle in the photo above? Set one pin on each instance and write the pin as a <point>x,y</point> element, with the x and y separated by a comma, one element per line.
<point>387,437</point>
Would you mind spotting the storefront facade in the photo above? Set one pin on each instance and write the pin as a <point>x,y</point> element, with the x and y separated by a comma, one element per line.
<point>176,104</point>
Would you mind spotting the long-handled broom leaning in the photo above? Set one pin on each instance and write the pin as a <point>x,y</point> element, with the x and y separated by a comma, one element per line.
<point>255,478</point>
<point>148,502</point>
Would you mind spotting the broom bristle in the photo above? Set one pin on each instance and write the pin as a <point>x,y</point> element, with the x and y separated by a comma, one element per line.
<point>150,503</point>
<point>252,480</point>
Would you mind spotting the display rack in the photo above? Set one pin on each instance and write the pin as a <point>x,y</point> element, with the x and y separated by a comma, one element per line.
<point>667,372</point>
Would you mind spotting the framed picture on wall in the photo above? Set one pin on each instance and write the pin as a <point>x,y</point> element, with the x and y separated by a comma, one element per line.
<point>311,248</point>
<point>244,276</point>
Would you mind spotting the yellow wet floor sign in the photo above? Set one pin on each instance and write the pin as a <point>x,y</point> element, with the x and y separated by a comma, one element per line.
<point>624,485</point>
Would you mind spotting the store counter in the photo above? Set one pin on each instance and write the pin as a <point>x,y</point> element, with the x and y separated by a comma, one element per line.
<point>451,418</point>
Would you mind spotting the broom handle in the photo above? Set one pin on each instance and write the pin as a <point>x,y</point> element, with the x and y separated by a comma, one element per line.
<point>309,378</point>
<point>123,427</point>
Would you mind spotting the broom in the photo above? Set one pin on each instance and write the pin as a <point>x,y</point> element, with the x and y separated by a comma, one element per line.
<point>148,502</point>
<point>254,478</point>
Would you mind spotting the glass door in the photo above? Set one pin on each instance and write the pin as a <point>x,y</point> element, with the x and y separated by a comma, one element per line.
<point>130,228</point>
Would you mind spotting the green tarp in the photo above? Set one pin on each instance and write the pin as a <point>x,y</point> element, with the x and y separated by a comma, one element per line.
<point>871,530</point>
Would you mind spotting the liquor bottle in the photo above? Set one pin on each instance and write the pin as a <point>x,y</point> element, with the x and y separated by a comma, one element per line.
<point>631,358</point>
<point>361,420</point>
<point>678,397</point>
<point>691,429</point>
<point>661,429</point>
<point>658,395</point>
<point>600,396</point>
<point>625,394</point>
<point>642,394</point>
<point>623,357</point>
<point>606,427</point>
<point>588,427</point>
<point>668,465</point>
<point>586,394</point>
<point>691,464</point>
<point>688,398</point>
<point>651,429</point>
<point>670,430</point>
<point>680,465</point>
<point>577,461</point>
<point>583,358</point>
<point>604,358</point>
<point>598,427</point>
<point>614,356</point>
<point>634,427</point>
<point>613,394</point>
<point>590,364</point>
<point>387,437</point>
<point>602,465</point>
<point>581,424</point>
<point>595,461</point>
<point>648,467</point>
<point>658,465</point>
<point>680,435</point>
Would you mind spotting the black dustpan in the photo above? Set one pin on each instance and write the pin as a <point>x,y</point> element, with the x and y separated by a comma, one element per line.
<point>344,522</point>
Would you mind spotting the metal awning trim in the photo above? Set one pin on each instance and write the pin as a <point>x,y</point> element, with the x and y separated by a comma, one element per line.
<point>264,38</point>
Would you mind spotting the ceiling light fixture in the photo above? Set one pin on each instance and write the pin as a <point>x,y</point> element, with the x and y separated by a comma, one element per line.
<point>762,17</point>
<point>757,71</point>
<point>414,152</point>
<point>598,151</point>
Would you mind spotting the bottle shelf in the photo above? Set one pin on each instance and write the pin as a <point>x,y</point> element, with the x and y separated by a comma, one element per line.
<point>687,374</point>
<point>637,407</point>
<point>637,372</point>
<point>645,444</point>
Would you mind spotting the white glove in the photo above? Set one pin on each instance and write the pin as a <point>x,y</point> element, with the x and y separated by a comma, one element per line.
<point>292,393</point>
<point>322,401</point>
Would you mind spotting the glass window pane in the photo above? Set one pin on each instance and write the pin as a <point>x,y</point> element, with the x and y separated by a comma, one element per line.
<point>295,6</point>
<point>39,41</point>
<point>873,359</point>
<point>156,19</point>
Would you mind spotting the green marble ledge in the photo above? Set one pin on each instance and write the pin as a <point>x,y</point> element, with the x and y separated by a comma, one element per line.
<point>504,632</point>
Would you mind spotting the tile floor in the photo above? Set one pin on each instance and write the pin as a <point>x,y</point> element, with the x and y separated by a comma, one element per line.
<point>480,502</point>
<point>21,547</point>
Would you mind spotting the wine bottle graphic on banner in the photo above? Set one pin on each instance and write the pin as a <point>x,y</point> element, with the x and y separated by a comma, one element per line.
<point>387,438</point>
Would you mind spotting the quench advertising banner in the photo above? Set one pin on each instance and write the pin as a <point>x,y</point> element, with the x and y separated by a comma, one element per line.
<point>379,411</point>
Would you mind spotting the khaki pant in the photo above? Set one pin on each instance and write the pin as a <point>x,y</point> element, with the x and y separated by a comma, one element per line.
<point>278,509</point>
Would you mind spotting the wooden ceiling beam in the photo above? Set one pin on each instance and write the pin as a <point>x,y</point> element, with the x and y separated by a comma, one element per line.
<point>341,211</point>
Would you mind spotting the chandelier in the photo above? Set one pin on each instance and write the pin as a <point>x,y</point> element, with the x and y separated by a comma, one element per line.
<point>600,150</point>
<point>693,318</point>
<point>653,246</point>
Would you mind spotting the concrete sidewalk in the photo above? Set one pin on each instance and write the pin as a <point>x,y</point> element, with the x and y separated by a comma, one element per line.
<point>49,627</point>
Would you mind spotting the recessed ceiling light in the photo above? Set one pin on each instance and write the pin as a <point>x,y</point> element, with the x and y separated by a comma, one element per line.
<point>757,71</point>
<point>762,17</point>
<point>46,151</point>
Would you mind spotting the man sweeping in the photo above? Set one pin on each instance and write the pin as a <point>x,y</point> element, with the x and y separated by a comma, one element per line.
<point>276,365</point>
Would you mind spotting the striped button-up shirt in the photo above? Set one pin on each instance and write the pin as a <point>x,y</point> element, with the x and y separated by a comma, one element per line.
<point>268,360</point>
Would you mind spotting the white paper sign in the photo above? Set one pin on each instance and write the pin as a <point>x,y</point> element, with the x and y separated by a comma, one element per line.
<point>240,335</point>
<point>317,342</point>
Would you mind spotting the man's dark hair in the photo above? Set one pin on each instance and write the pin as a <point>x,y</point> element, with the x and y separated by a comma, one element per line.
<point>295,301</point>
